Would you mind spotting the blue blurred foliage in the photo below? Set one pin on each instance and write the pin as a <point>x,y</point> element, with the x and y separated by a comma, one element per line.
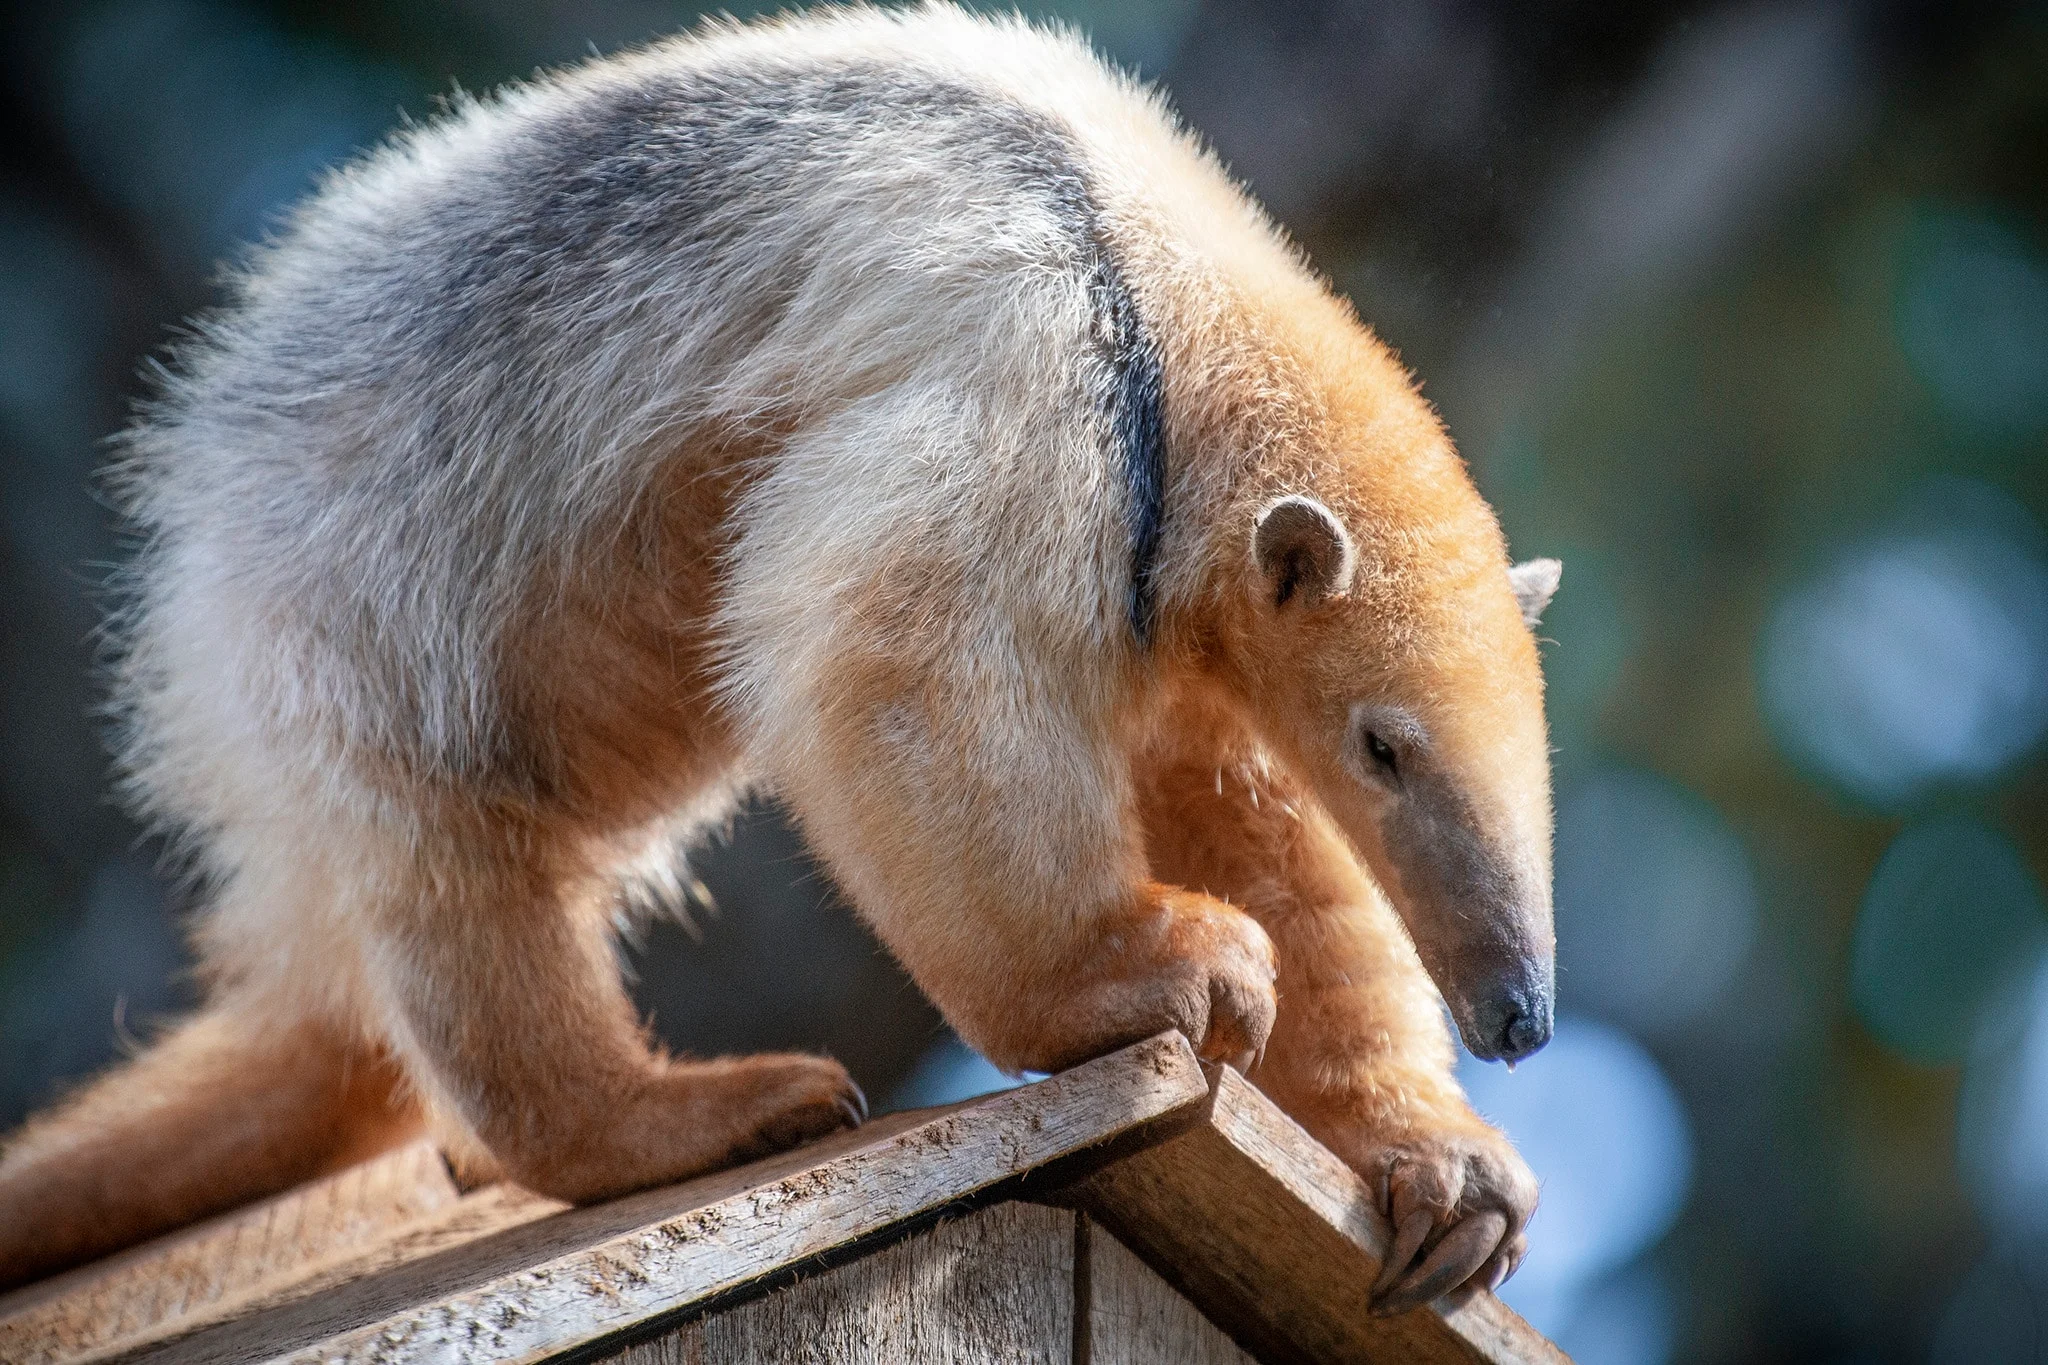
<point>1951,921</point>
<point>1739,308</point>
<point>1600,1122</point>
<point>1918,658</point>
<point>1657,900</point>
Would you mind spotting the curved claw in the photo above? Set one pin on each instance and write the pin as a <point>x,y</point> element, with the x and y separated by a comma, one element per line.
<point>1507,1260</point>
<point>1497,1271</point>
<point>1408,1240</point>
<point>1463,1250</point>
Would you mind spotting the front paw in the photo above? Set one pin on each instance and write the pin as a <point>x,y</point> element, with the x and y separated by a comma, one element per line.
<point>1185,962</point>
<point>1457,1200</point>
<point>1213,979</point>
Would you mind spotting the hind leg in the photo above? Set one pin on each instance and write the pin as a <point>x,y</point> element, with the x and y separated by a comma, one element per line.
<point>1360,1054</point>
<point>494,967</point>
<point>233,1105</point>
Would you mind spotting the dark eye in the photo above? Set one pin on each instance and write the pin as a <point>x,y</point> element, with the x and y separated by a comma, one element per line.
<point>1382,754</point>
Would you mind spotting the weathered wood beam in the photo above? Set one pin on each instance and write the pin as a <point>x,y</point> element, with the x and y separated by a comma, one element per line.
<point>1136,1318</point>
<point>1280,1242</point>
<point>993,1288</point>
<point>220,1268</point>
<point>567,1283</point>
<point>1198,1173</point>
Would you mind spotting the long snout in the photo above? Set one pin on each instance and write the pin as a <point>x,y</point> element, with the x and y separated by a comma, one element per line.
<point>1481,923</point>
<point>1475,897</point>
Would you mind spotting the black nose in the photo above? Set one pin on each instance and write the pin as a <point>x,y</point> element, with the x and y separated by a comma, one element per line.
<point>1525,1032</point>
<point>1511,1016</point>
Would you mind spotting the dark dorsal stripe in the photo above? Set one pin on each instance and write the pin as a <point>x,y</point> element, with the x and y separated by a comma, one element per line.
<point>1132,384</point>
<point>658,165</point>
<point>1137,427</point>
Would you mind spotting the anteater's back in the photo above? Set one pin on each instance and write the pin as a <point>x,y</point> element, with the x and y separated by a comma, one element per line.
<point>874,255</point>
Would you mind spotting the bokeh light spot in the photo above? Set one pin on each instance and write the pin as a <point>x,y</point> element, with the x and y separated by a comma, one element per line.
<point>1973,320</point>
<point>1630,1318</point>
<point>2002,1121</point>
<point>1601,1126</point>
<point>950,1071</point>
<point>1951,917</point>
<point>1656,900</point>
<point>1918,658</point>
<point>54,319</point>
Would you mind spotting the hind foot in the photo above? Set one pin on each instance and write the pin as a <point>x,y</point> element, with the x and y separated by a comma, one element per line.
<point>683,1119</point>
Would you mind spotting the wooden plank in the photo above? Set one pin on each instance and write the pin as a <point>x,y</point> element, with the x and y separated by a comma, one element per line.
<point>1136,1318</point>
<point>476,1215</point>
<point>992,1288</point>
<point>1280,1242</point>
<point>569,1281</point>
<point>206,1270</point>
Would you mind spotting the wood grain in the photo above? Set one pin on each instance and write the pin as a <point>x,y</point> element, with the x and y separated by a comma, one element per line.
<point>569,1281</point>
<point>1279,1242</point>
<point>1247,1225</point>
<point>208,1270</point>
<point>992,1288</point>
<point>1136,1318</point>
<point>476,1215</point>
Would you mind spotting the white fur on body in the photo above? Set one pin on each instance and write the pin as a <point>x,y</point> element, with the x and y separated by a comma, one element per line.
<point>348,520</point>
<point>736,414</point>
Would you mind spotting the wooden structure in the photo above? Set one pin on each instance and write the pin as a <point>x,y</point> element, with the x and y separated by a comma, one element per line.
<point>1139,1208</point>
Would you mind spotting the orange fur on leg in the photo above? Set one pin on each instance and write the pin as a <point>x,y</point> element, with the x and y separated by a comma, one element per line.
<point>231,1106</point>
<point>1360,1054</point>
<point>1173,959</point>
<point>505,995</point>
<point>999,856</point>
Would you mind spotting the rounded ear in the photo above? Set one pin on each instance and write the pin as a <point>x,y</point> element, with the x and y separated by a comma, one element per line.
<point>1301,549</point>
<point>1535,583</point>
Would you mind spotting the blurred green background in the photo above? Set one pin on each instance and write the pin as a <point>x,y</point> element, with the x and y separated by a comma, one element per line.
<point>1740,309</point>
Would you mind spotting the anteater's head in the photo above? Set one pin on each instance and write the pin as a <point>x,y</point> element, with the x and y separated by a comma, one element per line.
<point>1387,646</point>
